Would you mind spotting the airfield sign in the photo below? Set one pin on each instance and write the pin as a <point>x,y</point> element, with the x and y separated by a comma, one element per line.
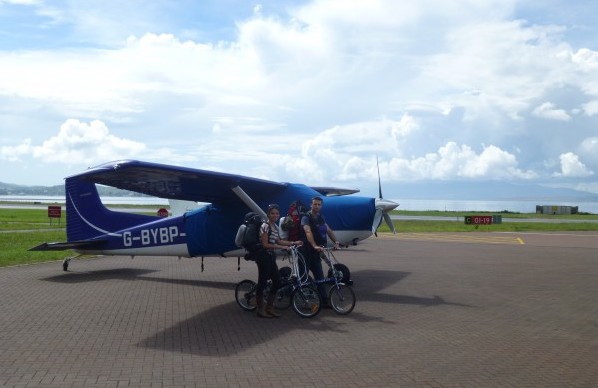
<point>483,219</point>
<point>54,212</point>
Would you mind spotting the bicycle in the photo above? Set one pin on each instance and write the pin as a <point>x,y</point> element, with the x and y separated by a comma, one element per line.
<point>296,290</point>
<point>341,297</point>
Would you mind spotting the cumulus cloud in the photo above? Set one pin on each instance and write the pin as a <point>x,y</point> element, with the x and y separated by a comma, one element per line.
<point>452,161</point>
<point>547,110</point>
<point>20,2</point>
<point>591,108</point>
<point>590,145</point>
<point>76,143</point>
<point>572,167</point>
<point>317,90</point>
<point>586,59</point>
<point>349,153</point>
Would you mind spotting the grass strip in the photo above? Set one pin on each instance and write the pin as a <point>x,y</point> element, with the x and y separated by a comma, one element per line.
<point>22,229</point>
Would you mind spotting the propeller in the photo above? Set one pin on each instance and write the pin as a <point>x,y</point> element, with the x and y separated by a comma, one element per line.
<point>383,207</point>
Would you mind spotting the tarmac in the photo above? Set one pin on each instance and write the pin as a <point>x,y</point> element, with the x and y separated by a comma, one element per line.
<point>433,310</point>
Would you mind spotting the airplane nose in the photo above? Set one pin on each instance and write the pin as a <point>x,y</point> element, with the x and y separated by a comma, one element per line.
<point>385,205</point>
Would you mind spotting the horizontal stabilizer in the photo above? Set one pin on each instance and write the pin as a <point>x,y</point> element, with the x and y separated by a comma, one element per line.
<point>61,246</point>
<point>332,191</point>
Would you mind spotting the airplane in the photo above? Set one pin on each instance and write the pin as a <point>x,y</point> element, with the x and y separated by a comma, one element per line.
<point>204,231</point>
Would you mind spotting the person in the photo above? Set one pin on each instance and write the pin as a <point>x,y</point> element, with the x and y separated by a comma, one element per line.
<point>315,231</point>
<point>266,262</point>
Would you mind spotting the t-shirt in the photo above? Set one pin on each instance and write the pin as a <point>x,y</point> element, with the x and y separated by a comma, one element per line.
<point>272,230</point>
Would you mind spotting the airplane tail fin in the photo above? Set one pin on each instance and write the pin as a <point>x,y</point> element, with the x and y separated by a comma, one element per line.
<point>88,218</point>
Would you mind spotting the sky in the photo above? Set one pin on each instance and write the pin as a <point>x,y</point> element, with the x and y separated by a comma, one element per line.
<point>315,92</point>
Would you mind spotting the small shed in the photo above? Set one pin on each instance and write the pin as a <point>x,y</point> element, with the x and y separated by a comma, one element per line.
<point>555,209</point>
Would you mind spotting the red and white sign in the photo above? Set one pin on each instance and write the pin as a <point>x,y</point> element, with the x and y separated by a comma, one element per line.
<point>162,212</point>
<point>54,211</point>
<point>478,220</point>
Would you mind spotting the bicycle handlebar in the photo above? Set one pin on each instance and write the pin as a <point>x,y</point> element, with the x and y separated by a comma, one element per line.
<point>329,248</point>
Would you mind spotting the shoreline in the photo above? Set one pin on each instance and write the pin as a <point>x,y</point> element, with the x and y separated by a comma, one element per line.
<point>403,215</point>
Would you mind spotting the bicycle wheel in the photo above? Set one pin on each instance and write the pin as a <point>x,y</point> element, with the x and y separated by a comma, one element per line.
<point>285,273</point>
<point>306,301</point>
<point>344,270</point>
<point>245,294</point>
<point>283,297</point>
<point>341,298</point>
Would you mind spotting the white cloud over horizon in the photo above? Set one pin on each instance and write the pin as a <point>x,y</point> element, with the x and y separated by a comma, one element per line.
<point>307,91</point>
<point>571,167</point>
<point>76,143</point>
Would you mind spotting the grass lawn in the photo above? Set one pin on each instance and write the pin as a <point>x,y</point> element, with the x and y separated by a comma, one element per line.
<point>22,229</point>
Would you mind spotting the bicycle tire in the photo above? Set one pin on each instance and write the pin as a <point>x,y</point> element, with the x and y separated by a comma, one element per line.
<point>342,299</point>
<point>306,301</point>
<point>285,272</point>
<point>345,271</point>
<point>245,294</point>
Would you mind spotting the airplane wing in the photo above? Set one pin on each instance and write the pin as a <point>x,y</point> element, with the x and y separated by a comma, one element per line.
<point>334,191</point>
<point>173,182</point>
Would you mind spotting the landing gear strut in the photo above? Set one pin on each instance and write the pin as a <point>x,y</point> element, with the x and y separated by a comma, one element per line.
<point>65,263</point>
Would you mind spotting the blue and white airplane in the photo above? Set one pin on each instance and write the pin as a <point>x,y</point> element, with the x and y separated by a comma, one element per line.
<point>205,231</point>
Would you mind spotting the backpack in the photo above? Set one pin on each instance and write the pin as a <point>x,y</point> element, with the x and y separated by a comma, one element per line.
<point>292,221</point>
<point>318,229</point>
<point>248,234</point>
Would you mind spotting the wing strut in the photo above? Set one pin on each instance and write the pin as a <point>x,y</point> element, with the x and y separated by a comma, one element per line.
<point>248,201</point>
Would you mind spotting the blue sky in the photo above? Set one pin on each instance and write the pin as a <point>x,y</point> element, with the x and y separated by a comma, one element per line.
<point>304,91</point>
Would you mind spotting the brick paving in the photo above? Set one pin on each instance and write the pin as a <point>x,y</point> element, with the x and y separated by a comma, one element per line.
<point>428,314</point>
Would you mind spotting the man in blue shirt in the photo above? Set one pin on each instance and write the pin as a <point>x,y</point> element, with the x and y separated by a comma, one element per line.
<point>315,231</point>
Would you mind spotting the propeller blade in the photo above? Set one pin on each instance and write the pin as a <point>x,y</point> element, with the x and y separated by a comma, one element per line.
<point>377,221</point>
<point>379,183</point>
<point>389,222</point>
<point>383,206</point>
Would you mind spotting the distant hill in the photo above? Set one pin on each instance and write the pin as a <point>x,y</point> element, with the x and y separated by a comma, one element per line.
<point>485,191</point>
<point>11,189</point>
<point>476,191</point>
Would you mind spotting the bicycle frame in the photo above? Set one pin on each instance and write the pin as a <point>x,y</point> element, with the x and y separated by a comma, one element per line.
<point>295,280</point>
<point>294,259</point>
<point>328,257</point>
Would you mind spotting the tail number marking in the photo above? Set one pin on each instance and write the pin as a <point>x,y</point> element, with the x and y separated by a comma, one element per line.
<point>153,236</point>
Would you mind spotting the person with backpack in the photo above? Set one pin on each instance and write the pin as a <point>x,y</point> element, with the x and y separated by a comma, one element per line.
<point>266,262</point>
<point>315,231</point>
<point>290,225</point>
